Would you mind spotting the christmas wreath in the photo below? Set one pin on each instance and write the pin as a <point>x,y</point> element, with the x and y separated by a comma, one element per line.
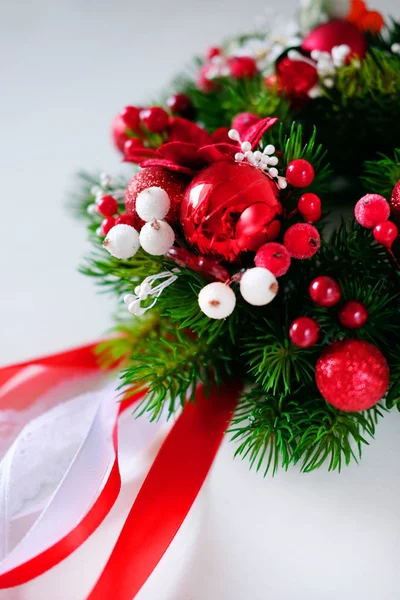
<point>256,241</point>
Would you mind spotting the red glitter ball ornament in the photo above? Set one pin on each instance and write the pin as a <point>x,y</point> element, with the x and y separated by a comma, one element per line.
<point>325,291</point>
<point>304,332</point>
<point>385,233</point>
<point>302,240</point>
<point>352,375</point>
<point>353,315</point>
<point>335,33</point>
<point>309,206</point>
<point>395,203</point>
<point>274,257</point>
<point>300,173</point>
<point>172,183</point>
<point>229,208</point>
<point>371,210</point>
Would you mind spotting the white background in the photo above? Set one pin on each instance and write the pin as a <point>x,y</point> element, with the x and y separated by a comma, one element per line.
<point>66,67</point>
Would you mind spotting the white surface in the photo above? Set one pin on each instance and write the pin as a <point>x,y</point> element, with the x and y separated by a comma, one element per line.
<point>66,68</point>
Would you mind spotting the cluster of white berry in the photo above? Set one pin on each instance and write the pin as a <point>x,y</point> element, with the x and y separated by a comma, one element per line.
<point>146,290</point>
<point>326,64</point>
<point>265,161</point>
<point>258,286</point>
<point>156,236</point>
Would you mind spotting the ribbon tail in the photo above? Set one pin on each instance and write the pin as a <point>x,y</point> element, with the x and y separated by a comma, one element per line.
<point>167,493</point>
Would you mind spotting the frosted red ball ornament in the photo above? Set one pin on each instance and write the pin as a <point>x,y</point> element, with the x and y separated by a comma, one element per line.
<point>304,332</point>
<point>230,208</point>
<point>172,183</point>
<point>395,202</point>
<point>353,315</point>
<point>336,33</point>
<point>352,375</point>
<point>385,233</point>
<point>371,209</point>
<point>302,240</point>
<point>325,291</point>
<point>274,257</point>
<point>300,173</point>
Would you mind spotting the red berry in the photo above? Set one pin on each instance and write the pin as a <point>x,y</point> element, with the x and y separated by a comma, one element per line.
<point>274,257</point>
<point>325,291</point>
<point>302,240</point>
<point>309,207</point>
<point>126,219</point>
<point>118,132</point>
<point>181,104</point>
<point>132,145</point>
<point>242,66</point>
<point>155,119</point>
<point>212,52</point>
<point>107,224</point>
<point>304,332</point>
<point>300,173</point>
<point>131,117</point>
<point>353,315</point>
<point>385,233</point>
<point>107,206</point>
<point>371,210</point>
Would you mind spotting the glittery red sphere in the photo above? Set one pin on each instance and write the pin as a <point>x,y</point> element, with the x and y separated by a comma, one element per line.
<point>371,210</point>
<point>172,183</point>
<point>274,257</point>
<point>300,173</point>
<point>325,291</point>
<point>302,240</point>
<point>353,315</point>
<point>352,375</point>
<point>229,208</point>
<point>395,203</point>
<point>304,332</point>
<point>335,33</point>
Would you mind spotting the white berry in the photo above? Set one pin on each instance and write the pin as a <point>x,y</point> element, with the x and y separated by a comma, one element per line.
<point>152,203</point>
<point>217,300</point>
<point>122,241</point>
<point>157,237</point>
<point>258,286</point>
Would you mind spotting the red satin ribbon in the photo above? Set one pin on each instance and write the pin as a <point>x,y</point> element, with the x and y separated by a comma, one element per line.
<point>163,502</point>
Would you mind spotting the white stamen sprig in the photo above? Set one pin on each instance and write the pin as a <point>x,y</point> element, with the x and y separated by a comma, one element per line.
<point>145,290</point>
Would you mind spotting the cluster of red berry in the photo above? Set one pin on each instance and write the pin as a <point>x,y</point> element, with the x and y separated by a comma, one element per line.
<point>108,207</point>
<point>372,212</point>
<point>218,65</point>
<point>132,126</point>
<point>326,292</point>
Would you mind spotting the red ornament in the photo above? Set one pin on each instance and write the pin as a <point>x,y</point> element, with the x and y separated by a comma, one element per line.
<point>335,33</point>
<point>300,173</point>
<point>228,208</point>
<point>132,146</point>
<point>243,121</point>
<point>395,202</point>
<point>242,66</point>
<point>119,132</point>
<point>371,210</point>
<point>325,291</point>
<point>125,125</point>
<point>172,183</point>
<point>352,375</point>
<point>295,77</point>
<point>385,233</point>
<point>353,315</point>
<point>155,119</point>
<point>107,206</point>
<point>213,52</point>
<point>181,105</point>
<point>309,206</point>
<point>126,219</point>
<point>274,257</point>
<point>302,240</point>
<point>107,224</point>
<point>304,332</point>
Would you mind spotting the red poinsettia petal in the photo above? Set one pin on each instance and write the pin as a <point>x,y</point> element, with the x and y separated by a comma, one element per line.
<point>216,152</point>
<point>254,133</point>
<point>138,155</point>
<point>221,136</point>
<point>181,153</point>
<point>183,130</point>
<point>169,165</point>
